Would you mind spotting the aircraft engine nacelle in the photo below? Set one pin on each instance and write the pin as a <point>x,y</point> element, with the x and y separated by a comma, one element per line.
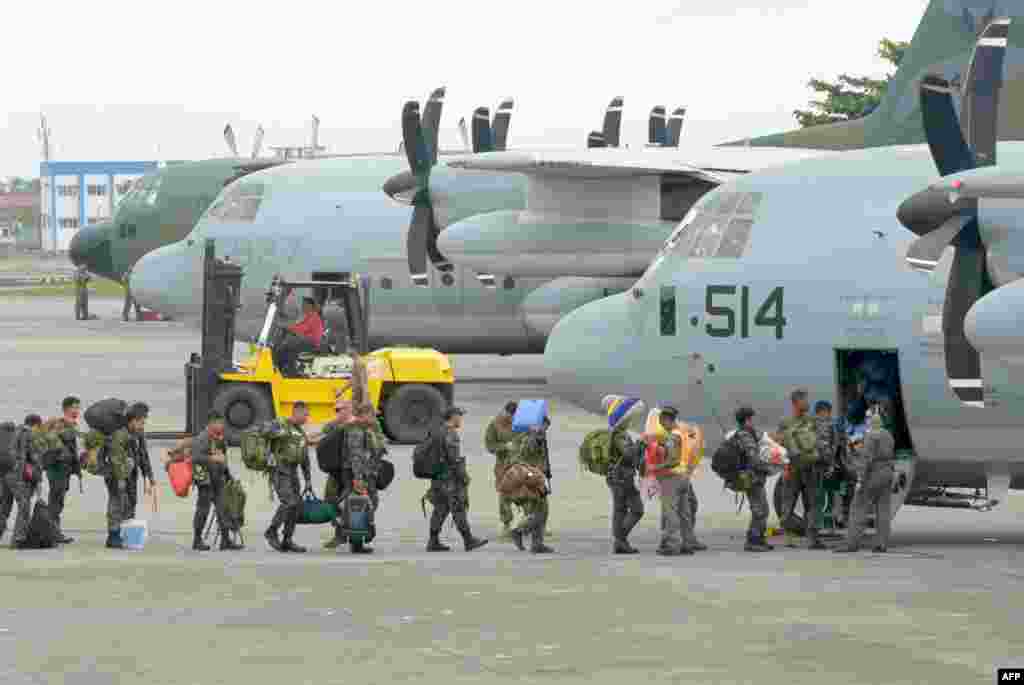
<point>543,245</point>
<point>546,305</point>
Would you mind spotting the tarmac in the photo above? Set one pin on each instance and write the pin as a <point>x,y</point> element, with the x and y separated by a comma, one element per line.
<point>938,608</point>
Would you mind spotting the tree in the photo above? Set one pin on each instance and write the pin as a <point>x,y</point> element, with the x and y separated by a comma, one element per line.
<point>851,97</point>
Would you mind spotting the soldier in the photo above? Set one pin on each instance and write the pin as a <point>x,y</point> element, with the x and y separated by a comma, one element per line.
<point>532,450</point>
<point>625,457</point>
<point>875,475</point>
<point>749,439</point>
<point>290,447</point>
<point>81,294</point>
<point>339,485</point>
<point>130,302</point>
<point>127,454</point>
<point>497,440</point>
<point>210,473</point>
<point>60,444</point>
<point>449,489</point>
<point>365,446</point>
<point>16,488</point>
<point>677,537</point>
<point>800,438</point>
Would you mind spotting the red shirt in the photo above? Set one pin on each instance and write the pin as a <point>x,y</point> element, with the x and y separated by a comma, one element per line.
<point>311,327</point>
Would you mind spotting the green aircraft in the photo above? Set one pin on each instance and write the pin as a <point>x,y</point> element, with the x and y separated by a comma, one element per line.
<point>810,275</point>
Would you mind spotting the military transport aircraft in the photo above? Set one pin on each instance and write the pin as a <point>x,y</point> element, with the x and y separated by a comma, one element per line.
<point>822,289</point>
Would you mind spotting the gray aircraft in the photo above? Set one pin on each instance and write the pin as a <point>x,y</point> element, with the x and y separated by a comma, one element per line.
<point>804,276</point>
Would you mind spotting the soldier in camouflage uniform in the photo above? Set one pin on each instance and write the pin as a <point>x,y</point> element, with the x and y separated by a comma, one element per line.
<point>210,473</point>
<point>531,449</point>
<point>749,440</point>
<point>875,470</point>
<point>126,454</point>
<point>15,487</point>
<point>335,491</point>
<point>365,446</point>
<point>449,489</point>
<point>59,445</point>
<point>290,448</point>
<point>81,294</point>
<point>497,440</point>
<point>800,438</point>
<point>626,458</point>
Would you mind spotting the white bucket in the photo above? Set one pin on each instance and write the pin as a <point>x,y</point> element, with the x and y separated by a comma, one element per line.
<point>133,534</point>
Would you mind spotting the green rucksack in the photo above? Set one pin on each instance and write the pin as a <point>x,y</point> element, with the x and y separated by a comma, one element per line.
<point>256,451</point>
<point>596,451</point>
<point>233,505</point>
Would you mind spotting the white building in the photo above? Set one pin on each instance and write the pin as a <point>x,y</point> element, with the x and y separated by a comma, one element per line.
<point>75,194</point>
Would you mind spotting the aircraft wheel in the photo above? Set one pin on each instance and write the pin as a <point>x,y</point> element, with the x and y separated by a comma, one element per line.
<point>412,411</point>
<point>243,405</point>
<point>782,495</point>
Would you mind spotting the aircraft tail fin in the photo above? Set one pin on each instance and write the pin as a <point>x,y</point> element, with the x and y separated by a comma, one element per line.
<point>942,45</point>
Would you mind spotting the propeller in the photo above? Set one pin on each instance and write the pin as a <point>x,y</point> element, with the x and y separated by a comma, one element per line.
<point>229,138</point>
<point>464,135</point>
<point>656,131</point>
<point>482,140</point>
<point>940,222</point>
<point>596,139</point>
<point>258,143</point>
<point>419,141</point>
<point>488,135</point>
<point>499,127</point>
<point>613,122</point>
<point>675,126</point>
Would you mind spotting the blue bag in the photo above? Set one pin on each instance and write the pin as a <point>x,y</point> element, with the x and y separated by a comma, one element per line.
<point>529,414</point>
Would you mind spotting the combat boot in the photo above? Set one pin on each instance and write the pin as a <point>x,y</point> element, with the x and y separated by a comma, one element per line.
<point>435,544</point>
<point>517,539</point>
<point>226,543</point>
<point>114,540</point>
<point>197,541</point>
<point>472,543</point>
<point>288,546</point>
<point>622,546</point>
<point>272,540</point>
<point>538,546</point>
<point>879,549</point>
<point>757,545</point>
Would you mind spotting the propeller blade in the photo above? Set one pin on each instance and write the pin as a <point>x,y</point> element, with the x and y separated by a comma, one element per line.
<point>464,135</point>
<point>416,244</point>
<point>675,126</point>
<point>502,119</point>
<point>596,139</point>
<point>925,252</point>
<point>965,287</point>
<point>432,124</point>
<point>315,131</point>
<point>412,138</point>
<point>482,130</point>
<point>942,128</point>
<point>656,131</point>
<point>229,138</point>
<point>258,143</point>
<point>980,108</point>
<point>612,122</point>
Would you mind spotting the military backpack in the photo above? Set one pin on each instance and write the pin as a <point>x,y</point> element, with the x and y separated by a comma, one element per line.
<point>729,459</point>
<point>256,451</point>
<point>596,451</point>
<point>95,461</point>
<point>426,458</point>
<point>106,416</point>
<point>8,445</point>
<point>233,505</point>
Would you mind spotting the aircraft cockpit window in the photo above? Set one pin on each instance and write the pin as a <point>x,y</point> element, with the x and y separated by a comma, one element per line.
<point>724,226</point>
<point>150,191</point>
<point>240,203</point>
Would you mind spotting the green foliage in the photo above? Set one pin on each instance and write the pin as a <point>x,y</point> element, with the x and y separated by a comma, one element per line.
<point>850,97</point>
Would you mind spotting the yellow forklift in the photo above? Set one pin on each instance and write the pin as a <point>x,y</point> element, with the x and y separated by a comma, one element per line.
<point>409,387</point>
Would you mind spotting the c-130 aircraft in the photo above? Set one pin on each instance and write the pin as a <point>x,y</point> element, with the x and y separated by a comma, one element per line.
<point>827,294</point>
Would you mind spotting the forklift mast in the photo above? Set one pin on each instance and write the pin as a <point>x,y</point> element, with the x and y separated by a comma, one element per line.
<point>222,283</point>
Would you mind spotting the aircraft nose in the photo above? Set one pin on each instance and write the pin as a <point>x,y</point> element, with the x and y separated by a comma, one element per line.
<point>90,248</point>
<point>589,353</point>
<point>164,279</point>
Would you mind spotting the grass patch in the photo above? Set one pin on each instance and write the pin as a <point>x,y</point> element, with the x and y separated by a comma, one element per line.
<point>97,288</point>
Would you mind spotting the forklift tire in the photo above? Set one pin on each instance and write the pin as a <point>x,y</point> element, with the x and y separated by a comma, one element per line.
<point>780,496</point>
<point>411,411</point>
<point>243,405</point>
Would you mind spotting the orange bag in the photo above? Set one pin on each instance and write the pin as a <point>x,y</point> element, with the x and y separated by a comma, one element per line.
<point>180,475</point>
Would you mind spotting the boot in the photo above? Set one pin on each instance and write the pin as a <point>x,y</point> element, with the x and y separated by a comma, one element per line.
<point>817,544</point>
<point>757,545</point>
<point>271,536</point>
<point>114,540</point>
<point>538,546</point>
<point>622,546</point>
<point>288,546</point>
<point>63,539</point>
<point>846,549</point>
<point>435,544</point>
<point>517,538</point>
<point>226,543</point>
<point>471,542</point>
<point>879,549</point>
<point>197,541</point>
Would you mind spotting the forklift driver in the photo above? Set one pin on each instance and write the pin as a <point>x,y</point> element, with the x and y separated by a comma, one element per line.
<point>306,336</point>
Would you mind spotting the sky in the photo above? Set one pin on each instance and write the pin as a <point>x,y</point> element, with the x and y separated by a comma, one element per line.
<point>131,80</point>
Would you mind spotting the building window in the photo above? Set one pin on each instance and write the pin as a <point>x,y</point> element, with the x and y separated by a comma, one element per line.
<point>123,188</point>
<point>97,190</point>
<point>69,223</point>
<point>67,191</point>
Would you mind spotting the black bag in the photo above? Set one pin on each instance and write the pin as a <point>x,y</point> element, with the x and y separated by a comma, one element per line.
<point>42,533</point>
<point>107,416</point>
<point>729,459</point>
<point>8,446</point>
<point>332,453</point>
<point>385,474</point>
<point>426,458</point>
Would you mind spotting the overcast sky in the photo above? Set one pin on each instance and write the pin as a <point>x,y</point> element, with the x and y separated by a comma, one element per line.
<point>143,80</point>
